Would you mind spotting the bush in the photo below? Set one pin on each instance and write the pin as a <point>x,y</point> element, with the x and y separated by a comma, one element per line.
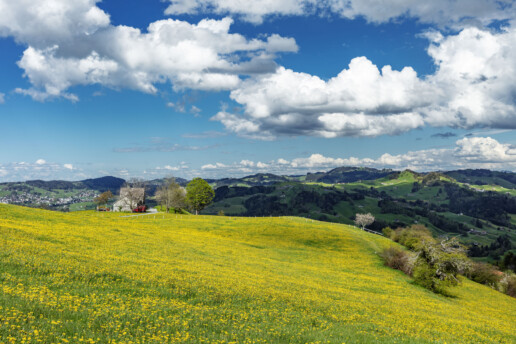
<point>439,264</point>
<point>511,286</point>
<point>221,213</point>
<point>413,237</point>
<point>388,232</point>
<point>425,276</point>
<point>507,284</point>
<point>485,274</point>
<point>396,258</point>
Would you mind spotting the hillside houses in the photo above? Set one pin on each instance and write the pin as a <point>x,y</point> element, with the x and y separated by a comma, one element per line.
<point>51,200</point>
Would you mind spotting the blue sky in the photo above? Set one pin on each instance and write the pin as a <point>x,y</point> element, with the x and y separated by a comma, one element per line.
<point>212,88</point>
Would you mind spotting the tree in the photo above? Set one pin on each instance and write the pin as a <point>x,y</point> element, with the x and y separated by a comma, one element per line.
<point>439,263</point>
<point>171,195</point>
<point>363,220</point>
<point>199,194</point>
<point>103,198</point>
<point>132,193</point>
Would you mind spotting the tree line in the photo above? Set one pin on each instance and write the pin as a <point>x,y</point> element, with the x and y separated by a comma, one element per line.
<point>196,196</point>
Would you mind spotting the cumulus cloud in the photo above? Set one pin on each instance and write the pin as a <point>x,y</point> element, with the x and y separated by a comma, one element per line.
<point>42,23</point>
<point>474,86</point>
<point>469,152</point>
<point>53,75</point>
<point>476,152</point>
<point>40,169</point>
<point>202,56</point>
<point>450,13</point>
<point>476,70</point>
<point>485,150</point>
<point>252,11</point>
<point>73,43</point>
<point>215,166</point>
<point>361,101</point>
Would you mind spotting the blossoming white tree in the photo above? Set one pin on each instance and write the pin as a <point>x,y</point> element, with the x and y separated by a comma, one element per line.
<point>363,220</point>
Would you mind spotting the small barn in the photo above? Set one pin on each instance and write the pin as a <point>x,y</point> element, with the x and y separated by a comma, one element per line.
<point>130,198</point>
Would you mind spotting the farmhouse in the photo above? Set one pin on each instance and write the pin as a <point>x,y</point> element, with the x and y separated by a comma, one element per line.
<point>130,198</point>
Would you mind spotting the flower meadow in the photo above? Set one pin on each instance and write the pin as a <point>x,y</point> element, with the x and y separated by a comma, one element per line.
<point>89,277</point>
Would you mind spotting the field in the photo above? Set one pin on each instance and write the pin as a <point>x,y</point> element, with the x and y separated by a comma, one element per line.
<point>494,188</point>
<point>89,277</point>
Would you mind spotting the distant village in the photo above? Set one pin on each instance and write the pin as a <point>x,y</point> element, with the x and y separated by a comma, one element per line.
<point>28,198</point>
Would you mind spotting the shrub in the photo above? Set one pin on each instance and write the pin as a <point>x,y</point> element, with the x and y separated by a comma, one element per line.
<point>485,274</point>
<point>439,263</point>
<point>396,258</point>
<point>388,232</point>
<point>425,276</point>
<point>511,286</point>
<point>221,213</point>
<point>413,237</point>
<point>507,284</point>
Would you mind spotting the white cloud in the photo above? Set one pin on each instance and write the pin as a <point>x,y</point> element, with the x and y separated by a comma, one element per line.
<point>474,86</point>
<point>171,168</point>
<point>252,11</point>
<point>476,152</point>
<point>360,101</point>
<point>73,43</point>
<point>215,166</point>
<point>54,74</point>
<point>477,74</point>
<point>453,13</point>
<point>42,23</point>
<point>441,12</point>
<point>469,152</point>
<point>485,150</point>
<point>40,169</point>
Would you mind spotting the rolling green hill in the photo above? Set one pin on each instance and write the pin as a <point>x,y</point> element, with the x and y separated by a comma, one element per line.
<point>436,200</point>
<point>101,278</point>
<point>485,177</point>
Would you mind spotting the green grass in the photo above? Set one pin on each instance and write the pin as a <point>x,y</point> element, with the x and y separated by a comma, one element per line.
<point>83,206</point>
<point>494,188</point>
<point>100,278</point>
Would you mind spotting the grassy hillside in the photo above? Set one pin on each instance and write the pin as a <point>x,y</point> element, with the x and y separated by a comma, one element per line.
<point>100,278</point>
<point>399,199</point>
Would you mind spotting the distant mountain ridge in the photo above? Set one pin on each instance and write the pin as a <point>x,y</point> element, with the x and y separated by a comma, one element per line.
<point>483,177</point>
<point>101,184</point>
<point>348,175</point>
<point>335,176</point>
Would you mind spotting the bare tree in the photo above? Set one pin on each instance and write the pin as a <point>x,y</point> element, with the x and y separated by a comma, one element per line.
<point>171,195</point>
<point>132,193</point>
<point>363,220</point>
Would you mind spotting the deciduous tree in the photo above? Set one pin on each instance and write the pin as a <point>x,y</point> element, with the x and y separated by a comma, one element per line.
<point>199,194</point>
<point>363,220</point>
<point>171,195</point>
<point>103,198</point>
